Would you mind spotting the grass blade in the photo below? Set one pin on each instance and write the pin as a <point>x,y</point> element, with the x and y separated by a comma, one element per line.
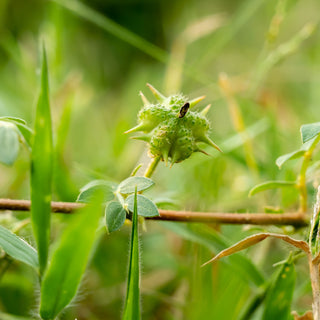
<point>132,303</point>
<point>115,29</point>
<point>279,296</point>
<point>41,169</point>
<point>69,259</point>
<point>17,248</point>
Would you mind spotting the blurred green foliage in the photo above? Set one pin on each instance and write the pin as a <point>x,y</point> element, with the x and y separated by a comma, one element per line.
<point>95,76</point>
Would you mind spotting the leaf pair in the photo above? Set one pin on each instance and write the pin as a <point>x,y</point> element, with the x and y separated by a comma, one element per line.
<point>116,211</point>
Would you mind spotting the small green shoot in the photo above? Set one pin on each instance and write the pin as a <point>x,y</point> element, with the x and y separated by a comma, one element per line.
<point>132,302</point>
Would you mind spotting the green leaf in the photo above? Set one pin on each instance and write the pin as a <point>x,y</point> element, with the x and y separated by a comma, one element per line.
<point>17,248</point>
<point>295,154</point>
<point>13,119</point>
<point>132,303</point>
<point>27,134</point>
<point>127,186</point>
<point>21,125</point>
<point>279,296</point>
<point>115,216</point>
<point>69,259</point>
<point>9,143</point>
<point>309,131</point>
<point>87,192</point>
<point>289,156</point>
<point>271,185</point>
<point>146,208</point>
<point>41,170</point>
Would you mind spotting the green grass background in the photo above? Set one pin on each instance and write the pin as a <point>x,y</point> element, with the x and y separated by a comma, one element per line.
<point>96,70</point>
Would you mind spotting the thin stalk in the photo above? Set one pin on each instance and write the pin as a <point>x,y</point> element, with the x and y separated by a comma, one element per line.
<point>152,167</point>
<point>302,185</point>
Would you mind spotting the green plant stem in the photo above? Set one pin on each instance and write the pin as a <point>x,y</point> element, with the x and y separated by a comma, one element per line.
<point>302,185</point>
<point>152,167</point>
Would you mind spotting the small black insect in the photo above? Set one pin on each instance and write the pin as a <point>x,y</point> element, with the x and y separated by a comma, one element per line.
<point>184,109</point>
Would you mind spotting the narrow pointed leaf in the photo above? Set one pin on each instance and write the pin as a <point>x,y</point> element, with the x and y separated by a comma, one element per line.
<point>41,170</point>
<point>88,192</point>
<point>279,296</point>
<point>271,185</point>
<point>9,143</point>
<point>309,131</point>
<point>132,303</point>
<point>69,259</point>
<point>295,154</point>
<point>252,240</point>
<point>17,248</point>
<point>128,186</point>
<point>146,208</point>
<point>115,216</point>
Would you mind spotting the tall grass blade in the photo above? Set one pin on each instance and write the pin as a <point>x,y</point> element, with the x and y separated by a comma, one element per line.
<point>69,259</point>
<point>115,29</point>
<point>279,297</point>
<point>41,169</point>
<point>132,303</point>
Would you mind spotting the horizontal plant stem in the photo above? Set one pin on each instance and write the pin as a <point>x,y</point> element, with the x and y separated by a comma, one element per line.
<point>294,219</point>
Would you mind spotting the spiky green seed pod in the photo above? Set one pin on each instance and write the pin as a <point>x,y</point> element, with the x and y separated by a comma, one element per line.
<point>170,128</point>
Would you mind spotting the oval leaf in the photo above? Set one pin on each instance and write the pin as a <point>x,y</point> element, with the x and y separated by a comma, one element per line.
<point>309,131</point>
<point>128,186</point>
<point>69,259</point>
<point>279,296</point>
<point>41,169</point>
<point>146,208</point>
<point>289,156</point>
<point>132,303</point>
<point>17,248</point>
<point>271,185</point>
<point>115,216</point>
<point>89,190</point>
<point>9,143</point>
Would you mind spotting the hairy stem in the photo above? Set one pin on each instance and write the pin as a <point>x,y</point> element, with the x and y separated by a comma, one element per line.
<point>315,281</point>
<point>152,167</point>
<point>294,219</point>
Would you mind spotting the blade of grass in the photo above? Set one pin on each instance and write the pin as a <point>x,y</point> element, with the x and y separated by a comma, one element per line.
<point>132,303</point>
<point>41,170</point>
<point>279,296</point>
<point>69,259</point>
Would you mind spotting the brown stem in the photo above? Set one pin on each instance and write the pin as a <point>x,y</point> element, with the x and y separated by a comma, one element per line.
<point>295,219</point>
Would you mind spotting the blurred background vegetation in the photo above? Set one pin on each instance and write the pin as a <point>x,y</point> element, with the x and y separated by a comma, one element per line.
<point>256,61</point>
